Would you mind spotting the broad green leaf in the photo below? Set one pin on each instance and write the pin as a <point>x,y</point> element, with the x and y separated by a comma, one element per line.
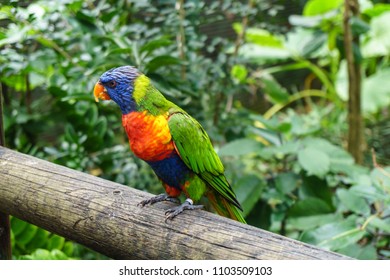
<point>385,253</point>
<point>316,7</point>
<point>92,114</point>
<point>117,51</point>
<point>258,54</point>
<point>314,221</point>
<point>275,92</point>
<point>305,21</point>
<point>240,147</point>
<point>287,182</point>
<point>378,43</point>
<point>327,231</point>
<point>289,148</point>
<point>314,161</point>
<point>249,189</point>
<point>309,207</point>
<point>274,197</point>
<point>304,42</point>
<point>381,224</point>
<point>320,144</point>
<point>273,137</point>
<point>56,242</point>
<point>68,248</point>
<point>314,44</point>
<point>42,254</point>
<point>381,178</point>
<point>40,239</point>
<point>161,61</point>
<point>369,192</point>
<point>360,252</point>
<point>260,216</point>
<point>376,91</point>
<point>273,124</point>
<point>46,42</point>
<point>334,236</point>
<point>353,202</point>
<point>59,255</point>
<point>312,186</point>
<point>343,239</point>
<point>101,127</point>
<point>152,45</point>
<point>305,124</point>
<point>377,10</point>
<point>87,18</point>
<point>37,79</point>
<point>70,133</point>
<point>5,12</point>
<point>340,160</point>
<point>18,226</point>
<point>28,234</point>
<point>259,36</point>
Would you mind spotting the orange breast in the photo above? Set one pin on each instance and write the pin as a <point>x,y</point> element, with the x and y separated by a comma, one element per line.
<point>149,136</point>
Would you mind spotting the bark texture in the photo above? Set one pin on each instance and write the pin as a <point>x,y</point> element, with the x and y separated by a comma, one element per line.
<point>351,46</point>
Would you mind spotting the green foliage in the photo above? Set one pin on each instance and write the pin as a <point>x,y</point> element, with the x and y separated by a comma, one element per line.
<point>316,192</point>
<point>30,242</point>
<point>274,105</point>
<point>318,7</point>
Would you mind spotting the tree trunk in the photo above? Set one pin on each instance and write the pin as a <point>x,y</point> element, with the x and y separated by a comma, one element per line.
<point>355,120</point>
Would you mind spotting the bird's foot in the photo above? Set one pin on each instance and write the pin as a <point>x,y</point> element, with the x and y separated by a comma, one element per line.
<point>186,205</point>
<point>158,198</point>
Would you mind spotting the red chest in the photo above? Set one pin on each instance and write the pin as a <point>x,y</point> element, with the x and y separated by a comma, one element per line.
<point>149,136</point>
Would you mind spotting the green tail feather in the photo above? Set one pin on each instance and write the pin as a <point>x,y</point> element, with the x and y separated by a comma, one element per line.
<point>225,208</point>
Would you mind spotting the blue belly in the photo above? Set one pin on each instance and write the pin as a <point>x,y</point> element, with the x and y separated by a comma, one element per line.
<point>171,170</point>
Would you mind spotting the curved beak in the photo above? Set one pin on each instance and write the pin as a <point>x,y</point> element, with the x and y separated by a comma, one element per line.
<point>100,92</point>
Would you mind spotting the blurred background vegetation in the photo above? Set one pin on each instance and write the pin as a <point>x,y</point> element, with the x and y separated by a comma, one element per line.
<point>266,78</point>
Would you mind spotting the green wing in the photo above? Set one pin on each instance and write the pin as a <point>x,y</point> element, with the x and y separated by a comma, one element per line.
<point>195,149</point>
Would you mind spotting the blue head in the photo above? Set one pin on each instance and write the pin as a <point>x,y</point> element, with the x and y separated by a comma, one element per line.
<point>118,84</point>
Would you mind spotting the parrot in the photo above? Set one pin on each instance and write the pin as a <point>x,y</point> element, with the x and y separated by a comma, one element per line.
<point>172,142</point>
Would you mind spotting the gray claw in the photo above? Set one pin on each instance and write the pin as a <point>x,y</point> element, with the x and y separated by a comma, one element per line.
<point>158,198</point>
<point>187,205</point>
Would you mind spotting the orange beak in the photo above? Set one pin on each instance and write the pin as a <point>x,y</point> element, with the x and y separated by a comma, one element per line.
<point>100,92</point>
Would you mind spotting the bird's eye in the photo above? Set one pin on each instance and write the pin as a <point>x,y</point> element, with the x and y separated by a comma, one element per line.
<point>111,84</point>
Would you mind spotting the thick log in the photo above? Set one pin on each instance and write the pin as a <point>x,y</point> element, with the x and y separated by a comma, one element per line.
<point>105,217</point>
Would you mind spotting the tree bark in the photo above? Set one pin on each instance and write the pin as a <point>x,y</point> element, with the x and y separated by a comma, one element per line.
<point>355,120</point>
<point>105,217</point>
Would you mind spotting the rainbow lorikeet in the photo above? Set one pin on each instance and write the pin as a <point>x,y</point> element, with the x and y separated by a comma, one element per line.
<point>173,143</point>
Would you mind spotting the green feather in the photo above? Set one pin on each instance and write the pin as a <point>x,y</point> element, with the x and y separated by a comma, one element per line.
<point>195,149</point>
<point>148,98</point>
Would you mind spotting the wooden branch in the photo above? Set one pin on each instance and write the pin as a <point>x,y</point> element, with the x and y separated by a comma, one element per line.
<point>105,217</point>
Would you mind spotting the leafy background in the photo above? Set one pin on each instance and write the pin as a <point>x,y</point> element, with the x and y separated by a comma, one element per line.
<point>273,99</point>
